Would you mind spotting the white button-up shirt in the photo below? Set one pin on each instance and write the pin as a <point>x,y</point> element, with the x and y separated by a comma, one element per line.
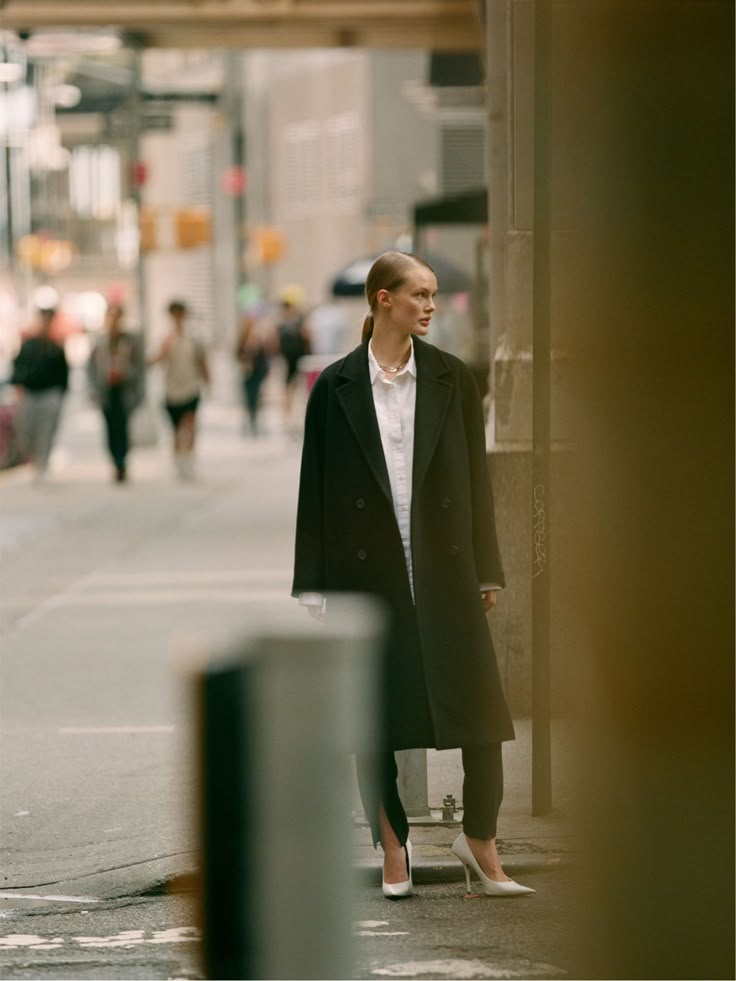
<point>394,399</point>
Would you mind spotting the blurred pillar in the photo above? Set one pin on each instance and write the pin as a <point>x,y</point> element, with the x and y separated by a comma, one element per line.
<point>654,489</point>
<point>135,175</point>
<point>279,722</point>
<point>8,244</point>
<point>234,107</point>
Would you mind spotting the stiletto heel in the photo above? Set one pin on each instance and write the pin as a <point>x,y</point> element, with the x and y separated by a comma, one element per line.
<point>466,870</point>
<point>461,849</point>
<point>399,890</point>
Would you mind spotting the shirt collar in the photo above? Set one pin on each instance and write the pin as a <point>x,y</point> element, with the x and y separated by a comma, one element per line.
<point>375,370</point>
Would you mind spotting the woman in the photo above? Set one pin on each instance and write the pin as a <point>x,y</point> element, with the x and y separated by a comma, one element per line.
<point>395,501</point>
<point>186,370</point>
<point>115,371</point>
<point>253,352</point>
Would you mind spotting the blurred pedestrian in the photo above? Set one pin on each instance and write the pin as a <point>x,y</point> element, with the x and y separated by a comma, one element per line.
<point>328,328</point>
<point>41,376</point>
<point>294,343</point>
<point>253,351</point>
<point>395,501</point>
<point>116,376</point>
<point>186,372</point>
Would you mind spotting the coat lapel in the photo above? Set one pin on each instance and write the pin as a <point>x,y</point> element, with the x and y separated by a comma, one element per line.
<point>355,396</point>
<point>434,388</point>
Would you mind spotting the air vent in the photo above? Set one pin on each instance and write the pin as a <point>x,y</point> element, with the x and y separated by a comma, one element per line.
<point>462,158</point>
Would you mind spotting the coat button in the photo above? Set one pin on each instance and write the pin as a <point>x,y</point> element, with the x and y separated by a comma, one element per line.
<point>445,502</point>
<point>362,554</point>
<point>454,550</point>
<point>360,503</point>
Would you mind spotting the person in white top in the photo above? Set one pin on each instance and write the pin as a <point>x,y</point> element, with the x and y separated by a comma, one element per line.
<point>186,371</point>
<point>395,501</point>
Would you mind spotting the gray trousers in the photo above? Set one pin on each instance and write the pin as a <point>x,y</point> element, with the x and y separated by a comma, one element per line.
<point>38,420</point>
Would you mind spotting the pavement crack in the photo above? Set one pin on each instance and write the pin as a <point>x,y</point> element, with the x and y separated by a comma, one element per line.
<point>104,870</point>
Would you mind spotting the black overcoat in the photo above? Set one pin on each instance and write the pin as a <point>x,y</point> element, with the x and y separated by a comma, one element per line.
<point>441,685</point>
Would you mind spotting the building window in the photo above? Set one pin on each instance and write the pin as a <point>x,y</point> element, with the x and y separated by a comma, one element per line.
<point>343,157</point>
<point>302,183</point>
<point>94,181</point>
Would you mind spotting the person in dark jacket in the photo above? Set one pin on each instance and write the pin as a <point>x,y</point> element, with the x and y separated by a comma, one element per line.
<point>294,343</point>
<point>116,375</point>
<point>395,501</point>
<point>253,351</point>
<point>41,376</point>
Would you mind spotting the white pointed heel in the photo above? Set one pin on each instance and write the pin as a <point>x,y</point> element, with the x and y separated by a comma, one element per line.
<point>399,890</point>
<point>461,849</point>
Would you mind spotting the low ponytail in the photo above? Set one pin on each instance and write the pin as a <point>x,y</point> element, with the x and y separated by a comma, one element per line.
<point>367,327</point>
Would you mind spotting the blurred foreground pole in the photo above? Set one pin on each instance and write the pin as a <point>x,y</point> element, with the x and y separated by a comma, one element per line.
<point>279,721</point>
<point>541,502</point>
<point>654,490</point>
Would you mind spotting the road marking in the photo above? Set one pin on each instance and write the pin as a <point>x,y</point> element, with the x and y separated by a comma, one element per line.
<point>126,938</point>
<point>110,579</point>
<point>113,730</point>
<point>163,596</point>
<point>469,970</point>
<point>51,899</point>
<point>442,969</point>
<point>15,940</point>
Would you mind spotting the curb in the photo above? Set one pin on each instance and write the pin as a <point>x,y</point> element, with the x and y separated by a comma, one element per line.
<point>428,871</point>
<point>424,870</point>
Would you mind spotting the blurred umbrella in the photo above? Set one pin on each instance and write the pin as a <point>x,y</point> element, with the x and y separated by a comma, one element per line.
<point>350,281</point>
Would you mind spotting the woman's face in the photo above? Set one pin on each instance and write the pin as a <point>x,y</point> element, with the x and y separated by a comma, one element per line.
<point>410,307</point>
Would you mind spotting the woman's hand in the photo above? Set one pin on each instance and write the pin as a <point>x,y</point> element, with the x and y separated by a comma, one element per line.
<point>489,599</point>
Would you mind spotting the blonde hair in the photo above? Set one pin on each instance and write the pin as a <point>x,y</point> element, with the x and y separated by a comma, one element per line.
<point>388,272</point>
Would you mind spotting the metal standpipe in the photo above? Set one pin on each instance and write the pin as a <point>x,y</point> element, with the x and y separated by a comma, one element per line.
<point>279,720</point>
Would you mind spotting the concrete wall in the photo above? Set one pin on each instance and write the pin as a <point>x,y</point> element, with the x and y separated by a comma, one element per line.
<point>511,624</point>
<point>510,104</point>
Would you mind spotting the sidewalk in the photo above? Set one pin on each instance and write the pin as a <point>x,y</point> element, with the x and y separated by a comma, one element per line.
<point>208,549</point>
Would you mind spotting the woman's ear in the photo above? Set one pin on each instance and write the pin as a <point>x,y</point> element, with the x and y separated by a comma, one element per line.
<point>384,298</point>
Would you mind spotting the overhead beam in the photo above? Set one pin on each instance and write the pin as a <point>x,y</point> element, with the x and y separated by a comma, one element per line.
<point>450,25</point>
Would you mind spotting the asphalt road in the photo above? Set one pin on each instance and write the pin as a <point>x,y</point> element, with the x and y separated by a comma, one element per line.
<point>108,596</point>
<point>437,934</point>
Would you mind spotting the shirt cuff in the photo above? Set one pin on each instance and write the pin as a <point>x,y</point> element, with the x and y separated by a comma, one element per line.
<point>314,604</point>
<point>486,586</point>
<point>311,599</point>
